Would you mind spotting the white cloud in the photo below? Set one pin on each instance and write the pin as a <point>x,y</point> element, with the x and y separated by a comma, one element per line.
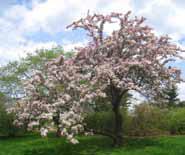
<point>181,88</point>
<point>69,46</point>
<point>15,53</point>
<point>165,16</point>
<point>13,43</point>
<point>51,16</point>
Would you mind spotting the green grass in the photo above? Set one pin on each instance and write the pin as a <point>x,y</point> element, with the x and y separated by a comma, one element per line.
<point>96,145</point>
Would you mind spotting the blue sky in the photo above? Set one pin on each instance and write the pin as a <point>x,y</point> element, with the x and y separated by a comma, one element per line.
<point>26,25</point>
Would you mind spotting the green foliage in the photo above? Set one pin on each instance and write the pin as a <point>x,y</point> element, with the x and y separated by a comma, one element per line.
<point>6,120</point>
<point>13,73</point>
<point>171,96</point>
<point>7,128</point>
<point>181,104</point>
<point>103,121</point>
<point>148,120</point>
<point>103,104</point>
<point>176,120</point>
<point>39,58</point>
<point>168,97</point>
<point>145,120</point>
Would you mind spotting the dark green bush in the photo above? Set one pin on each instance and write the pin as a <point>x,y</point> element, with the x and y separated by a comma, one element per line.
<point>176,121</point>
<point>7,128</point>
<point>144,120</point>
<point>100,121</point>
<point>104,121</point>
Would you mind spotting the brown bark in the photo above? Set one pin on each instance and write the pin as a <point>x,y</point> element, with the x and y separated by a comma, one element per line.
<point>58,133</point>
<point>118,125</point>
<point>116,96</point>
<point>56,121</point>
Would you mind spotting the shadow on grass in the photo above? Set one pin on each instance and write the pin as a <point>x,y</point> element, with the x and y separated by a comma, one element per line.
<point>28,136</point>
<point>89,146</point>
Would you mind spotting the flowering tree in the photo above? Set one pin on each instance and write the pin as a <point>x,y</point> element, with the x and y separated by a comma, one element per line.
<point>131,58</point>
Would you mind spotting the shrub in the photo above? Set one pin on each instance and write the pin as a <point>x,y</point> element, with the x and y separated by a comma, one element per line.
<point>176,120</point>
<point>148,120</point>
<point>104,121</point>
<point>144,120</point>
<point>7,128</point>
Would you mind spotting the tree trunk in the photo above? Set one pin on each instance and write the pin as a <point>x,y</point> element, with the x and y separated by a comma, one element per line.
<point>58,133</point>
<point>56,120</point>
<point>118,125</point>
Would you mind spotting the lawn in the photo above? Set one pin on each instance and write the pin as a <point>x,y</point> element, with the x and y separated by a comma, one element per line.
<point>96,145</point>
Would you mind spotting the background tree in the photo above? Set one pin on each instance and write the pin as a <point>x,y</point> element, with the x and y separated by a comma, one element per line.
<point>171,96</point>
<point>181,104</point>
<point>12,74</point>
<point>7,128</point>
<point>168,97</point>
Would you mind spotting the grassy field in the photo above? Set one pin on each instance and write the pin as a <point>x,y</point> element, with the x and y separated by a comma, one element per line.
<point>96,145</point>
